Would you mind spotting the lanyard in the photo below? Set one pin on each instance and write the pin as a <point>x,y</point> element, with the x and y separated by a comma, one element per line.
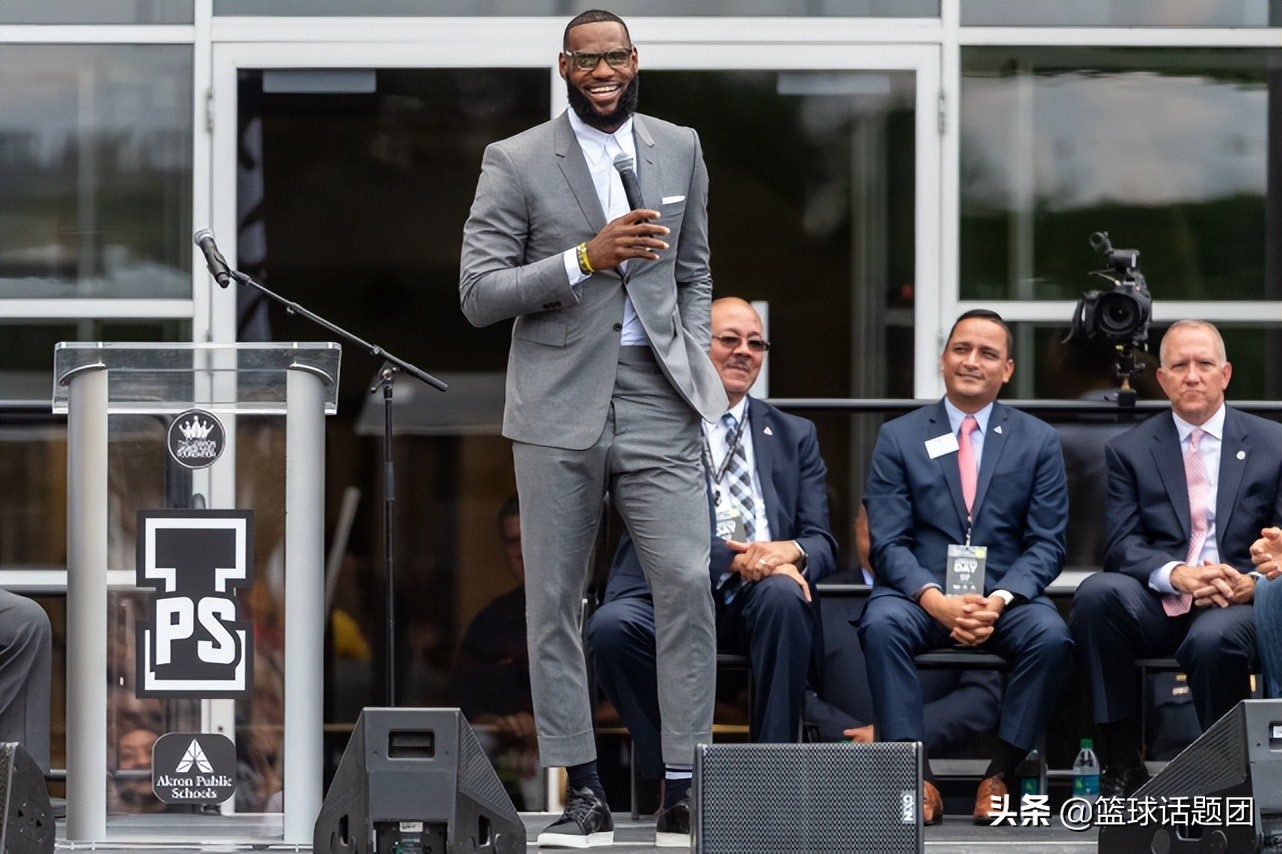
<point>720,471</point>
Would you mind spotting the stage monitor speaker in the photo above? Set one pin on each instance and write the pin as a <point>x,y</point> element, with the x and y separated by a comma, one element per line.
<point>26,816</point>
<point>813,798</point>
<point>1239,756</point>
<point>416,780</point>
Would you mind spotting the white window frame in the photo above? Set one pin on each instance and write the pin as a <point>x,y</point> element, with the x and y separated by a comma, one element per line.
<point>1256,313</point>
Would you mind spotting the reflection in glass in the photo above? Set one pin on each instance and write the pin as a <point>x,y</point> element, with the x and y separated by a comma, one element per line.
<point>628,9</point>
<point>1121,13</point>
<point>96,12</point>
<point>810,208</point>
<point>95,171</point>
<point>1087,370</point>
<point>1167,150</point>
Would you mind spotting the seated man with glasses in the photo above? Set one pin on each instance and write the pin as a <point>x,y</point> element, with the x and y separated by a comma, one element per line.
<point>767,482</point>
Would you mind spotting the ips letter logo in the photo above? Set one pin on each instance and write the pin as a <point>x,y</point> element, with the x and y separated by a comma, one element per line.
<point>195,644</point>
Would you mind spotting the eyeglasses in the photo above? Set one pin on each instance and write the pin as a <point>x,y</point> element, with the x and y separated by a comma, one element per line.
<point>732,342</point>
<point>586,60</point>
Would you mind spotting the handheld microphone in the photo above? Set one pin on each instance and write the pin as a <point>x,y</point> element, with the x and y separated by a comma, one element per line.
<point>631,186</point>
<point>214,260</point>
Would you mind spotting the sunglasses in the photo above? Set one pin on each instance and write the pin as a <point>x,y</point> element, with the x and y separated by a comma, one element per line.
<point>586,60</point>
<point>732,342</point>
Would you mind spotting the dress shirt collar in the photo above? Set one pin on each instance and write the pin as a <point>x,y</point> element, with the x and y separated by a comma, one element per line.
<point>1214,426</point>
<point>956,416</point>
<point>594,142</point>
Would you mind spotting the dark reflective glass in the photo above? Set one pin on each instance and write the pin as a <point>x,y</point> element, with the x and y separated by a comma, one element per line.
<point>95,171</point>
<point>1168,150</point>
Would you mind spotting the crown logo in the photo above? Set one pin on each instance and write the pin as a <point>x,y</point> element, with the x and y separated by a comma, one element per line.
<point>195,429</point>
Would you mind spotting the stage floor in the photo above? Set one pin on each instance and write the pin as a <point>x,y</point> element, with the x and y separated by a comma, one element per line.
<point>190,834</point>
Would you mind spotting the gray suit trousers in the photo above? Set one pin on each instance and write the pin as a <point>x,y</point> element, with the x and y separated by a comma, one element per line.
<point>647,460</point>
<point>26,661</point>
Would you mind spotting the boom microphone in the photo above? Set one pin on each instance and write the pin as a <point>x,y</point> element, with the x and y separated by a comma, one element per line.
<point>214,260</point>
<point>631,186</point>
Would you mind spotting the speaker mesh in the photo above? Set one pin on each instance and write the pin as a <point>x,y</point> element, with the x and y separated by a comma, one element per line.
<point>1214,762</point>
<point>814,798</point>
<point>476,774</point>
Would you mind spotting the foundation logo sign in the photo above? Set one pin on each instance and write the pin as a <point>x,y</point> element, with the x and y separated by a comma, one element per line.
<point>193,768</point>
<point>195,644</point>
<point>196,439</point>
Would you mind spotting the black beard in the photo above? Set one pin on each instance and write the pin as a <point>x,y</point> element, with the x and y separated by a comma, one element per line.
<point>583,107</point>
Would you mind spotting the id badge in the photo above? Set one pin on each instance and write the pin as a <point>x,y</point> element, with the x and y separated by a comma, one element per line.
<point>730,525</point>
<point>966,569</point>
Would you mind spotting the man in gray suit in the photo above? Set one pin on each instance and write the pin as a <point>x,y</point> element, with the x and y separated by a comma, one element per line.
<point>608,379</point>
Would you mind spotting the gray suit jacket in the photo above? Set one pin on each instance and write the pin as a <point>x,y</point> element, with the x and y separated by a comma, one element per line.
<point>535,199</point>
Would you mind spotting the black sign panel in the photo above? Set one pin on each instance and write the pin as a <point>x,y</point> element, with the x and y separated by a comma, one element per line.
<point>193,768</point>
<point>195,644</point>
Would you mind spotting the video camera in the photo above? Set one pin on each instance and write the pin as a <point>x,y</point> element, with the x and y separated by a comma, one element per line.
<point>1123,314</point>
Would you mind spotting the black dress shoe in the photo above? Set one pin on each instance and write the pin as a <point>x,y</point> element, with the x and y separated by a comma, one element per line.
<point>672,829</point>
<point>1121,782</point>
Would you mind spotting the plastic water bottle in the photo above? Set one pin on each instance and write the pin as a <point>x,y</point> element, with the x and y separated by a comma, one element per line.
<point>1086,772</point>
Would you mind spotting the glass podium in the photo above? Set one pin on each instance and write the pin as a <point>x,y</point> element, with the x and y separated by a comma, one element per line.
<point>130,459</point>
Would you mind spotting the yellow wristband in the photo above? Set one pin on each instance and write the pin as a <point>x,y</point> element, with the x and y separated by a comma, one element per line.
<point>581,251</point>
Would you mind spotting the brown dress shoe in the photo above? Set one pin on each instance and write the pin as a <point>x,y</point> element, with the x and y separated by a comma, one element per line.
<point>932,805</point>
<point>989,788</point>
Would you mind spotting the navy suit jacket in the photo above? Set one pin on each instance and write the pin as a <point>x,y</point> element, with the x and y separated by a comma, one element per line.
<point>792,475</point>
<point>1148,503</point>
<point>915,506</point>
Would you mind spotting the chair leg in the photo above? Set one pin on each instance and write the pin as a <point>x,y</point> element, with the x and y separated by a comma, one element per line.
<point>634,779</point>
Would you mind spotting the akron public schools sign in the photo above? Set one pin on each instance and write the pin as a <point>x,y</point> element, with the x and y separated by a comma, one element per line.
<point>193,768</point>
<point>195,644</point>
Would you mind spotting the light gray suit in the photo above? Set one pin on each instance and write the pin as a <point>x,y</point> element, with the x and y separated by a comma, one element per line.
<point>26,664</point>
<point>589,417</point>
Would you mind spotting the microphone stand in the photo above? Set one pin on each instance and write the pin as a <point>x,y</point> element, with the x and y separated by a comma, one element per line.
<point>391,367</point>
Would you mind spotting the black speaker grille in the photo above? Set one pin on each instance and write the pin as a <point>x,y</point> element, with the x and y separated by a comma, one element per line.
<point>476,774</point>
<point>814,798</point>
<point>1214,762</point>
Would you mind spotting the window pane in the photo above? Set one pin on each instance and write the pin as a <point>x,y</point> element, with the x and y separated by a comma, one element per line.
<point>811,209</point>
<point>1121,13</point>
<point>95,171</point>
<point>96,12</point>
<point>1087,369</point>
<point>1168,150</point>
<point>560,9</point>
<point>26,349</point>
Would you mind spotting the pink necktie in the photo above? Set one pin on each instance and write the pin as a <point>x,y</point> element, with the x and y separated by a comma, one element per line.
<point>966,461</point>
<point>1199,494</point>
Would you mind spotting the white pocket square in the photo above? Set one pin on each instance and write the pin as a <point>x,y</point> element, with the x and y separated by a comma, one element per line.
<point>671,200</point>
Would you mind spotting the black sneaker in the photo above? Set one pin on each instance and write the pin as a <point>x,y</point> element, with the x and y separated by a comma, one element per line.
<point>1121,782</point>
<point>586,823</point>
<point>672,830</point>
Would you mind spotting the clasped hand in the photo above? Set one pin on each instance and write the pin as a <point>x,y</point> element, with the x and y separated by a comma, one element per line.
<point>970,618</point>
<point>754,561</point>
<point>1213,584</point>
